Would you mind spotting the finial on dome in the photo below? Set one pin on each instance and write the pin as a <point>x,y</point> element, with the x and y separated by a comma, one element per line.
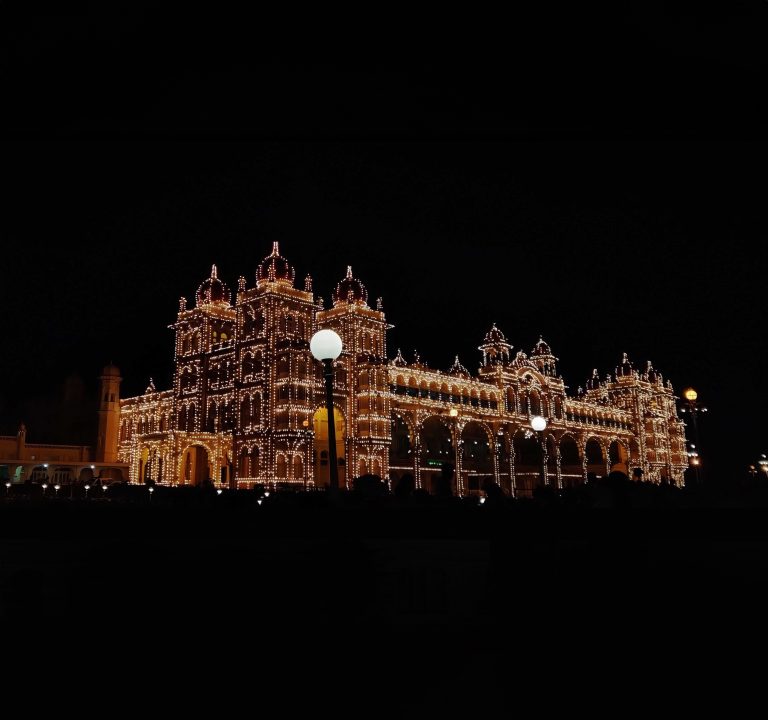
<point>349,271</point>
<point>275,249</point>
<point>214,272</point>
<point>151,387</point>
<point>399,359</point>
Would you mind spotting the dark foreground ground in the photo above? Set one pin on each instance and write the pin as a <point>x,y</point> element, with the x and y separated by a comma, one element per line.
<point>438,608</point>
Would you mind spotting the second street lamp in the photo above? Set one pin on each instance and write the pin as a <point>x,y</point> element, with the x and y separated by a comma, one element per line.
<point>539,425</point>
<point>326,346</point>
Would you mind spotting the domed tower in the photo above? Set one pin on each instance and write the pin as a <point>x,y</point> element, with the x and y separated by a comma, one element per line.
<point>624,369</point>
<point>350,290</point>
<point>213,291</point>
<point>109,415</point>
<point>203,376</point>
<point>275,269</point>
<point>275,375</point>
<point>542,357</point>
<point>209,323</point>
<point>495,347</point>
<point>652,375</point>
<point>362,383</point>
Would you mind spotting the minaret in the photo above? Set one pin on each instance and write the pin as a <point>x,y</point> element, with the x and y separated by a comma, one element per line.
<point>109,415</point>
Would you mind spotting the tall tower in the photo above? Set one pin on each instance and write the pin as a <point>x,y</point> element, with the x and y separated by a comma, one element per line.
<point>361,383</point>
<point>109,414</point>
<point>275,383</point>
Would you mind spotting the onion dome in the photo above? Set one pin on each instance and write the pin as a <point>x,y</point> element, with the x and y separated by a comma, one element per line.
<point>541,348</point>
<point>350,290</point>
<point>399,360</point>
<point>625,368</point>
<point>594,382</point>
<point>494,335</point>
<point>457,369</point>
<point>213,291</point>
<point>275,268</point>
<point>110,371</point>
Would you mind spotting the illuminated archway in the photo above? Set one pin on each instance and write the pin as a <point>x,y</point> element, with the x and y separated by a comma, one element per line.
<point>400,450</point>
<point>617,453</point>
<point>436,451</point>
<point>476,457</point>
<point>195,465</point>
<point>528,463</point>
<point>571,469</point>
<point>322,472</point>
<point>595,458</point>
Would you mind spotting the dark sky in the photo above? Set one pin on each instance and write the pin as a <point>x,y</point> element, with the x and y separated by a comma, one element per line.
<point>600,180</point>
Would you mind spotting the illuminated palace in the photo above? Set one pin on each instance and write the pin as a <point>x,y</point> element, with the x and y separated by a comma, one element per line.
<point>247,403</point>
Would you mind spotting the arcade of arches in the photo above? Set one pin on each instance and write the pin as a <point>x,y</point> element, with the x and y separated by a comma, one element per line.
<point>514,458</point>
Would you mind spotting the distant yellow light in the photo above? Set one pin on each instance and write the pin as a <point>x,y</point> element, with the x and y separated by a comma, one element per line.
<point>454,412</point>
<point>690,394</point>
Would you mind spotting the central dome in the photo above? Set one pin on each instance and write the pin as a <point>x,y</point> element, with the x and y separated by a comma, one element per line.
<point>275,268</point>
<point>350,290</point>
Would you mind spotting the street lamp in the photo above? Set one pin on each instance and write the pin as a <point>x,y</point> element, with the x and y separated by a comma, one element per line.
<point>539,425</point>
<point>326,346</point>
<point>7,489</point>
<point>57,487</point>
<point>693,408</point>
<point>151,490</point>
<point>87,488</point>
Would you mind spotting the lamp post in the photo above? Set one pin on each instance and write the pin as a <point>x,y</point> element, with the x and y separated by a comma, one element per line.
<point>7,489</point>
<point>693,408</point>
<point>326,346</point>
<point>539,425</point>
<point>454,415</point>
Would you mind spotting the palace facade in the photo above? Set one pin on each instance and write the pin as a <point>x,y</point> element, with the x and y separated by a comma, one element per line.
<point>247,403</point>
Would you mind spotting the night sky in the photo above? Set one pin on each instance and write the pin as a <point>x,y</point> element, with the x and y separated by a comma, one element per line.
<point>603,188</point>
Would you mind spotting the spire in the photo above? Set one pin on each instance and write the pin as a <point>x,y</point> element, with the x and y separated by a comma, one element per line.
<point>214,272</point>
<point>349,272</point>
<point>275,249</point>
<point>399,359</point>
